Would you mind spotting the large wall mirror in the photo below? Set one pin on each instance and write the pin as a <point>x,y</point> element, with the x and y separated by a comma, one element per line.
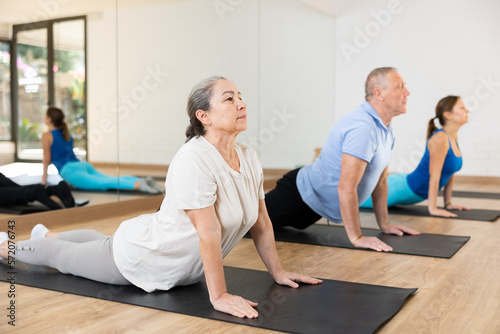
<point>298,67</point>
<point>131,72</point>
<point>280,54</point>
<point>144,60</point>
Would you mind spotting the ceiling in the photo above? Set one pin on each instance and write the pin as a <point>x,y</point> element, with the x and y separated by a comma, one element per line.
<point>25,11</point>
<point>16,12</point>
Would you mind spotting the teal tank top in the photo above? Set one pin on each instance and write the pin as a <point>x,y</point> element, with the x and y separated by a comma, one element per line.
<point>418,180</point>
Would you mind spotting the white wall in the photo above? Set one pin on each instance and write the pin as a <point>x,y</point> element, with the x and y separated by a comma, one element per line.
<point>440,48</point>
<point>297,82</point>
<point>279,53</point>
<point>102,117</point>
<point>298,69</point>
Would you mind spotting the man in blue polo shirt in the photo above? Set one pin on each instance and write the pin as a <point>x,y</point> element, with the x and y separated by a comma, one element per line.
<point>351,167</point>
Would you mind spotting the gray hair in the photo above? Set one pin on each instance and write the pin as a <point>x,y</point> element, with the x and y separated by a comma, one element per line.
<point>377,79</point>
<point>199,99</point>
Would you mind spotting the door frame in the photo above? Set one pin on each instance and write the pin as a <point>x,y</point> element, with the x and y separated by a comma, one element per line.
<point>14,82</point>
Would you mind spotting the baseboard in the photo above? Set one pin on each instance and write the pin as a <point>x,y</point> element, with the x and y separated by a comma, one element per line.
<point>479,180</point>
<point>145,169</point>
<point>271,175</point>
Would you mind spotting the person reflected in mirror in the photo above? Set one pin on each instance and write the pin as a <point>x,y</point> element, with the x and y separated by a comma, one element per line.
<point>57,146</point>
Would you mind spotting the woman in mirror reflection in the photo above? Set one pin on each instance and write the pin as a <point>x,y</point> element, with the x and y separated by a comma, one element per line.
<point>441,160</point>
<point>57,146</point>
<point>214,196</point>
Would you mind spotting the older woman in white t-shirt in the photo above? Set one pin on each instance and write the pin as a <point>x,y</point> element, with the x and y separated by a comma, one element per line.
<point>214,196</point>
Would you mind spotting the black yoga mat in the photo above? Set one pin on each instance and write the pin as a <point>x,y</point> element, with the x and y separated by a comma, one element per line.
<point>333,306</point>
<point>23,209</point>
<point>474,194</point>
<point>422,211</point>
<point>34,208</point>
<point>81,201</point>
<point>432,245</point>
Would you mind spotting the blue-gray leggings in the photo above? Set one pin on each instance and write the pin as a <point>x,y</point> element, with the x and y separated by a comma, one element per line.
<point>85,253</point>
<point>399,192</point>
<point>83,175</point>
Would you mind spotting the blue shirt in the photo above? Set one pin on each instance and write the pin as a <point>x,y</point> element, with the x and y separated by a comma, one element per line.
<point>418,180</point>
<point>362,134</point>
<point>61,150</point>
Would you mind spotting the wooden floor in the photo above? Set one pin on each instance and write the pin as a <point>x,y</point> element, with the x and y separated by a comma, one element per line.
<point>458,295</point>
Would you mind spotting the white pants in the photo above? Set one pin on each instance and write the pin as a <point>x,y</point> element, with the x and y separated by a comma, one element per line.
<point>84,253</point>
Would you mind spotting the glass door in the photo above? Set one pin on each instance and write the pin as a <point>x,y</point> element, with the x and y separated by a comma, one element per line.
<point>50,71</point>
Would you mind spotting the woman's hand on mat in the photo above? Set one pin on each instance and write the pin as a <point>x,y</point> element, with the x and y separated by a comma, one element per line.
<point>456,207</point>
<point>398,230</point>
<point>372,243</point>
<point>291,279</point>
<point>441,213</point>
<point>236,305</point>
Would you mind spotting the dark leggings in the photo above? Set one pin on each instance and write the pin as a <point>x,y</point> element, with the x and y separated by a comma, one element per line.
<point>12,193</point>
<point>285,205</point>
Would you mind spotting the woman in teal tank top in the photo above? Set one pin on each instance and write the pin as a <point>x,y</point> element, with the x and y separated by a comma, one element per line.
<point>57,147</point>
<point>441,160</point>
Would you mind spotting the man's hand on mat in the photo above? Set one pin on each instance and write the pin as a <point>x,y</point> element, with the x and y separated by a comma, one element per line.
<point>441,213</point>
<point>372,243</point>
<point>291,279</point>
<point>377,244</point>
<point>236,305</point>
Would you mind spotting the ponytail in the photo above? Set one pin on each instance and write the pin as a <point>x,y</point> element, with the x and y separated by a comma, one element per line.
<point>431,128</point>
<point>194,129</point>
<point>57,118</point>
<point>65,131</point>
<point>445,104</point>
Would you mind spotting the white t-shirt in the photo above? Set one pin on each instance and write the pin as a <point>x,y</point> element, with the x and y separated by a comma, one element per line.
<point>161,250</point>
